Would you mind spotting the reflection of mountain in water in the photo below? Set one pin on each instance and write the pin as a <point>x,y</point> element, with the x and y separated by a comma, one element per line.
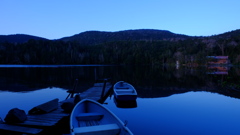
<point>168,91</point>
<point>149,81</point>
<point>29,79</point>
<point>167,81</point>
<point>7,84</point>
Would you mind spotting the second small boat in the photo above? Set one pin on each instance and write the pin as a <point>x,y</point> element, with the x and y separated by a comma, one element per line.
<point>124,91</point>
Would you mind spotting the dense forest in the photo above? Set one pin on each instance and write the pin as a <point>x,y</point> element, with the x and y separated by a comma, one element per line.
<point>124,47</point>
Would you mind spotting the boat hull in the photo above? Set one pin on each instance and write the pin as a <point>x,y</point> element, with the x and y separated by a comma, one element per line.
<point>90,117</point>
<point>124,91</point>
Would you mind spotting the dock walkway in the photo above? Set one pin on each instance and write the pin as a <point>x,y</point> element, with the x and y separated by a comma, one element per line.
<point>97,92</point>
<point>35,124</point>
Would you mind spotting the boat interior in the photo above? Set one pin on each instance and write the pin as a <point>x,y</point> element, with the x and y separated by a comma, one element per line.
<point>90,123</point>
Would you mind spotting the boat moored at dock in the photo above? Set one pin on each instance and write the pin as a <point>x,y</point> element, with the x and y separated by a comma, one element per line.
<point>90,117</point>
<point>124,91</point>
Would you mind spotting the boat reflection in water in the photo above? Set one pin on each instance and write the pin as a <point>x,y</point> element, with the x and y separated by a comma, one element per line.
<point>125,104</point>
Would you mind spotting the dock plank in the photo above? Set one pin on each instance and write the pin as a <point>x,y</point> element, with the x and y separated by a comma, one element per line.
<point>45,107</point>
<point>20,129</point>
<point>48,119</point>
<point>95,92</point>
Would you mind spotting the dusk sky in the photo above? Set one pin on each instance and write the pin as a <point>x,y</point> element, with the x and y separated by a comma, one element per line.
<point>55,19</point>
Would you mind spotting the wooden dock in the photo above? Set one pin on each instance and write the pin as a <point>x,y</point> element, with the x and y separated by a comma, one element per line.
<point>37,123</point>
<point>97,92</point>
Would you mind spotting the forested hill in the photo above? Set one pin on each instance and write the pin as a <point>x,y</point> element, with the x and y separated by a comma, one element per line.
<point>230,34</point>
<point>98,37</point>
<point>18,38</point>
<point>143,46</point>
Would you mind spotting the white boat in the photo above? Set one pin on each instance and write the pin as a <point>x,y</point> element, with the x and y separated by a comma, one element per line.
<point>124,91</point>
<point>91,118</point>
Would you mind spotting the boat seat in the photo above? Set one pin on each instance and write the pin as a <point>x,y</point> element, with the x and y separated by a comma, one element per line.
<point>125,91</point>
<point>122,88</point>
<point>89,116</point>
<point>107,129</point>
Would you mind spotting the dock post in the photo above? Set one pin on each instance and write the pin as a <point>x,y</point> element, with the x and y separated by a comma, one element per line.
<point>71,92</point>
<point>74,87</point>
<point>103,89</point>
<point>1,121</point>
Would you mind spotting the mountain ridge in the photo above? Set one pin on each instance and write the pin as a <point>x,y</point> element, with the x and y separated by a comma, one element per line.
<point>99,37</point>
<point>19,38</point>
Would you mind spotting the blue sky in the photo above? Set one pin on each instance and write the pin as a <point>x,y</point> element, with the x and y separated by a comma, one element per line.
<point>55,19</point>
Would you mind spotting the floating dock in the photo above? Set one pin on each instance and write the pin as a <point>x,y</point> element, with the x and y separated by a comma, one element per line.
<point>37,123</point>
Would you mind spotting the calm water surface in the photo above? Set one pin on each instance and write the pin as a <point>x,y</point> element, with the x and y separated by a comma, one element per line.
<point>171,101</point>
<point>27,100</point>
<point>192,113</point>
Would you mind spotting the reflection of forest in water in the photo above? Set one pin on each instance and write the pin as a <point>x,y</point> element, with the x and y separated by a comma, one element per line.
<point>149,81</point>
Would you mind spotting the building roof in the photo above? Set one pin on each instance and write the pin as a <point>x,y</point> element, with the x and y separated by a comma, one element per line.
<point>217,57</point>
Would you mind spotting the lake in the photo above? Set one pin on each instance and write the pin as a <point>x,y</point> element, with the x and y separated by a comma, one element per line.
<point>171,100</point>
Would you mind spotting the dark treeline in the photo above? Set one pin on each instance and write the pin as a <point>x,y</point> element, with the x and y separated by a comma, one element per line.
<point>187,51</point>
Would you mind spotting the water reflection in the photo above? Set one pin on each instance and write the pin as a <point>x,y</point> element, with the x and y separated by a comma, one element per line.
<point>19,79</point>
<point>219,70</point>
<point>125,104</point>
<point>191,113</point>
<point>28,100</point>
<point>149,81</point>
<point>171,101</point>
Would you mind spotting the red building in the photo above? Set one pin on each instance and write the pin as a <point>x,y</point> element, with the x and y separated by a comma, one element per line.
<point>217,60</point>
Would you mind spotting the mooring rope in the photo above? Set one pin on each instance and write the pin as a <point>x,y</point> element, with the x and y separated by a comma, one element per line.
<point>1,121</point>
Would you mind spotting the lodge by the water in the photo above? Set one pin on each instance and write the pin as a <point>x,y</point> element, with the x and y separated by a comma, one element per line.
<point>218,60</point>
